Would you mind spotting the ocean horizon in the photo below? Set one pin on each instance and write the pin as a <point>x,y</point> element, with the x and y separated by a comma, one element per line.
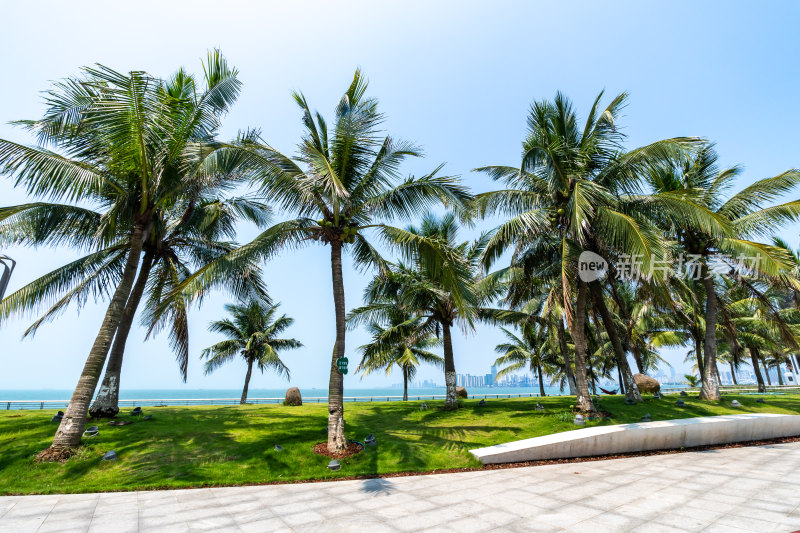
<point>307,392</point>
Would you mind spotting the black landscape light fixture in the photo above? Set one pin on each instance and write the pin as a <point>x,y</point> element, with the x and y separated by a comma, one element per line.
<point>8,267</point>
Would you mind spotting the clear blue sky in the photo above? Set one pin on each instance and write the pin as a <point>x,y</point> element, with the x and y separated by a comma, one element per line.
<point>456,77</point>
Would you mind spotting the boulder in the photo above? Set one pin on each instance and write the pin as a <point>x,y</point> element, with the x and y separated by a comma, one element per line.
<point>646,384</point>
<point>461,392</point>
<point>110,456</point>
<point>293,397</point>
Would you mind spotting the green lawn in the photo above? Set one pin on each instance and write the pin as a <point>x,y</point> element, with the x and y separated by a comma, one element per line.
<point>196,446</point>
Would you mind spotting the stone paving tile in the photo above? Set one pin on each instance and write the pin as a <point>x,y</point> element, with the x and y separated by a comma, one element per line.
<point>734,490</point>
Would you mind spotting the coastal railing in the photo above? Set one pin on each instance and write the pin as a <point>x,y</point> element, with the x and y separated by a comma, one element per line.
<point>168,402</point>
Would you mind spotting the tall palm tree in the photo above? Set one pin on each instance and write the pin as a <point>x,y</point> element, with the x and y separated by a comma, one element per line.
<point>344,181</point>
<point>577,185</point>
<point>127,143</point>
<point>252,334</point>
<point>404,342</point>
<point>438,284</point>
<point>741,216</point>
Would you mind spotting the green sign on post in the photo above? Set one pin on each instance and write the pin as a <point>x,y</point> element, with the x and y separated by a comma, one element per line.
<point>341,363</point>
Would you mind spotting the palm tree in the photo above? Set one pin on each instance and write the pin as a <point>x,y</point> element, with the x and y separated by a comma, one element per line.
<point>577,186</point>
<point>439,284</point>
<point>531,350</point>
<point>252,334</point>
<point>183,238</point>
<point>344,181</point>
<point>740,216</point>
<point>404,341</point>
<point>176,247</point>
<point>691,379</point>
<point>127,143</point>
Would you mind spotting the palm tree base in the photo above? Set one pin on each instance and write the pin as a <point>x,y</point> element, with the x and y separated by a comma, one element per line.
<point>709,396</point>
<point>55,454</point>
<point>103,411</point>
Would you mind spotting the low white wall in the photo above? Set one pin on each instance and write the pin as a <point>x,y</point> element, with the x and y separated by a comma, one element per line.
<point>660,435</point>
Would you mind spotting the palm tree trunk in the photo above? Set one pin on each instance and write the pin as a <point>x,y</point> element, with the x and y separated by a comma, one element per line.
<point>562,342</point>
<point>780,376</point>
<point>247,381</point>
<point>336,440</point>
<point>629,344</point>
<point>698,352</point>
<point>637,357</point>
<point>584,400</point>
<point>710,387</point>
<point>541,380</point>
<point>106,404</point>
<point>733,373</point>
<point>757,369</point>
<point>631,390</point>
<point>405,384</point>
<point>766,372</point>
<point>621,382</point>
<point>71,427</point>
<point>451,402</point>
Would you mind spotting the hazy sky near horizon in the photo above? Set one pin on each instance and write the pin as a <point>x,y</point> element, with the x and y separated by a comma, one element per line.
<point>456,77</point>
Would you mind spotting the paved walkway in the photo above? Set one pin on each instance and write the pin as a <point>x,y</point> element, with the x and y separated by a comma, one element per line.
<point>739,489</point>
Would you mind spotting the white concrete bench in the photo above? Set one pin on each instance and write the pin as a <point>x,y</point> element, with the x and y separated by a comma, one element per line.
<point>659,435</point>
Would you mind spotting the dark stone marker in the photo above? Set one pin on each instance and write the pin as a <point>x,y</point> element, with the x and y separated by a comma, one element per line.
<point>482,403</point>
<point>371,440</point>
<point>760,400</point>
<point>680,403</point>
<point>136,412</point>
<point>539,406</point>
<point>278,448</point>
<point>683,393</point>
<point>110,456</point>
